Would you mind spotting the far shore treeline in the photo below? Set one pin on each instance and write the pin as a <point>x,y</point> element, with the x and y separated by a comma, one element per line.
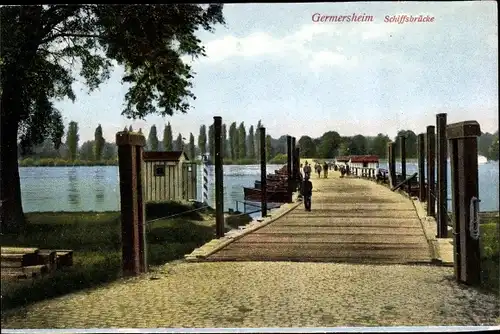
<point>240,146</point>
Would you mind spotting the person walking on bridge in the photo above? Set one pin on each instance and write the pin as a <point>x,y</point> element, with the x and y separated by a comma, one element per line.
<point>307,170</point>
<point>318,169</point>
<point>325,170</point>
<point>307,193</point>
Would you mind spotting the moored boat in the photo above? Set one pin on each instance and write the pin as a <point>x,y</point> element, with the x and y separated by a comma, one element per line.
<point>273,196</point>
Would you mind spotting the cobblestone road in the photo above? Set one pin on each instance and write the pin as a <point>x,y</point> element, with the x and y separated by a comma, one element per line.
<point>268,294</point>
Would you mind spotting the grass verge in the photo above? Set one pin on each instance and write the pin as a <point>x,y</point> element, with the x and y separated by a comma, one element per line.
<point>490,255</point>
<point>96,241</point>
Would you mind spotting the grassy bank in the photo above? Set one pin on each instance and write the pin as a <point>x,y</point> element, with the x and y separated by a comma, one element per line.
<point>96,241</point>
<point>490,254</point>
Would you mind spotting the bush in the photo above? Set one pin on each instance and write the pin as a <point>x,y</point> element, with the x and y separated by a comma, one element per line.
<point>279,159</point>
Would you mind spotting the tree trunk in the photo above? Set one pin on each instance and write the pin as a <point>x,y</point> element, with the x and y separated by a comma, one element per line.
<point>11,209</point>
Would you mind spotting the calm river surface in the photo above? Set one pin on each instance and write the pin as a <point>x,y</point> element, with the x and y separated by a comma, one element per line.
<point>97,188</point>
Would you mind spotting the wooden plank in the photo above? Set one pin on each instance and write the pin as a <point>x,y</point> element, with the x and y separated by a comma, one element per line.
<point>24,272</point>
<point>18,250</point>
<point>48,257</point>
<point>19,260</point>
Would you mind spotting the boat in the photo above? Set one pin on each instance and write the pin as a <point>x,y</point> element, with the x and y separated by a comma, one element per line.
<point>481,160</point>
<point>270,184</point>
<point>278,196</point>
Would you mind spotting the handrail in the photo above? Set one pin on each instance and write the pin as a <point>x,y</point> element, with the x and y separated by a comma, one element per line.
<point>404,182</point>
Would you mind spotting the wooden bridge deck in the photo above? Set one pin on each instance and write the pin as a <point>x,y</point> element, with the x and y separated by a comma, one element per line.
<point>352,220</point>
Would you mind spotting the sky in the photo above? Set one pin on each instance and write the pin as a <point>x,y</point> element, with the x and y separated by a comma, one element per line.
<point>272,62</point>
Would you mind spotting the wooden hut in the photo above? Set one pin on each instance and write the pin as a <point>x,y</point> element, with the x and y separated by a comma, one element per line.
<point>169,176</point>
<point>360,161</point>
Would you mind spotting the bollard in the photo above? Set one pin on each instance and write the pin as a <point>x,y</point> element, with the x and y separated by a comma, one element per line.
<point>263,172</point>
<point>442,175</point>
<point>219,178</point>
<point>431,170</point>
<point>130,150</point>
<point>465,190</point>
<point>294,184</point>
<point>421,167</point>
<point>297,167</point>
<point>391,163</point>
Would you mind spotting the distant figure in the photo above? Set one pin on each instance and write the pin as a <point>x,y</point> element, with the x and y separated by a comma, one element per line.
<point>325,170</point>
<point>342,171</point>
<point>318,169</point>
<point>307,170</point>
<point>307,193</point>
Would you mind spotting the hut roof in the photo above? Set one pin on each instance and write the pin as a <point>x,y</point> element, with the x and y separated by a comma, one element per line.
<point>364,158</point>
<point>164,156</point>
<point>342,158</point>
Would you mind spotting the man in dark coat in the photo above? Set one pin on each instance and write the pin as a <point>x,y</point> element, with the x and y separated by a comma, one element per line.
<point>307,192</point>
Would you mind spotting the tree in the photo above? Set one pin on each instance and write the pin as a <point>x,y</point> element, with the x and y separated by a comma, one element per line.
<point>153,139</point>
<point>86,151</point>
<point>98,143</point>
<point>211,141</point>
<point>192,147</point>
<point>343,148</point>
<point>410,143</point>
<point>233,141</point>
<point>109,151</point>
<point>307,147</point>
<point>202,139</point>
<point>378,145</point>
<point>484,143</point>
<point>130,129</point>
<point>493,153</point>
<point>168,138</point>
<point>257,138</point>
<point>43,45</point>
<point>242,141</point>
<point>72,138</point>
<point>225,146</point>
<point>179,143</point>
<point>269,148</point>
<point>251,143</point>
<point>328,145</point>
<point>358,145</point>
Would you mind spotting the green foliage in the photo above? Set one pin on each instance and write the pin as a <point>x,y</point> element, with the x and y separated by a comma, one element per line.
<point>257,139</point>
<point>168,138</point>
<point>410,143</point>
<point>269,148</point>
<point>72,139</point>
<point>279,159</point>
<point>99,142</point>
<point>233,141</point>
<point>58,162</point>
<point>225,145</point>
<point>307,147</point>
<point>153,141</point>
<point>493,153</point>
<point>192,147</point>
<point>202,139</point>
<point>251,143</point>
<point>329,144</point>
<point>211,141</point>
<point>179,143</point>
<point>242,141</point>
<point>86,151</point>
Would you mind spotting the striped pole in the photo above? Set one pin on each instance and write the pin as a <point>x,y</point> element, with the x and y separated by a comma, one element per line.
<point>205,182</point>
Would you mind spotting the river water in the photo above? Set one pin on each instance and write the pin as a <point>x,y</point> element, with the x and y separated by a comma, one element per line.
<point>97,188</point>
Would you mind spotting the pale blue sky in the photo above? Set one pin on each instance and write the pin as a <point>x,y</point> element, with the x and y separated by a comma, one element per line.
<point>271,62</point>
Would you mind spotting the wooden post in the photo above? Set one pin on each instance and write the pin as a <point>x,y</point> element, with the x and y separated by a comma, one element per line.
<point>289,164</point>
<point>263,172</point>
<point>442,175</point>
<point>130,150</point>
<point>219,178</point>
<point>431,170</point>
<point>391,163</point>
<point>402,154</point>
<point>297,166</point>
<point>464,181</point>
<point>421,167</point>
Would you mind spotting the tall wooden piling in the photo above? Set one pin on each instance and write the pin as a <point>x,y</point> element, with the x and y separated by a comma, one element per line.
<point>402,155</point>
<point>465,191</point>
<point>391,163</point>
<point>297,167</point>
<point>442,176</point>
<point>421,167</point>
<point>219,178</point>
<point>130,150</point>
<point>289,164</point>
<point>431,170</point>
<point>263,172</point>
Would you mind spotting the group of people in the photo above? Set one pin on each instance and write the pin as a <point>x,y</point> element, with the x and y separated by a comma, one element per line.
<point>306,188</point>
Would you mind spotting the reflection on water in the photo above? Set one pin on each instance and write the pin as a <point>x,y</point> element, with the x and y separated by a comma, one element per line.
<point>99,186</point>
<point>73,191</point>
<point>98,189</point>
